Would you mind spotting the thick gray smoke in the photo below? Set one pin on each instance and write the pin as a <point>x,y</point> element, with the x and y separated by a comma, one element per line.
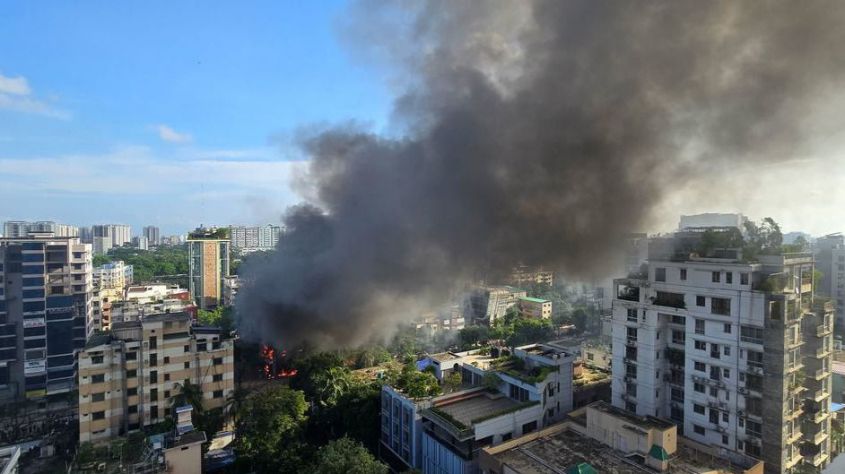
<point>535,132</point>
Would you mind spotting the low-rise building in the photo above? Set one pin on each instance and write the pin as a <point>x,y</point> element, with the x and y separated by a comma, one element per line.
<point>488,304</point>
<point>603,438</point>
<point>535,308</point>
<point>129,376</point>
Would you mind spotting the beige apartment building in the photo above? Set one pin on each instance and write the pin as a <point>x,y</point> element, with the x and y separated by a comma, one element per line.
<point>129,376</point>
<point>535,308</point>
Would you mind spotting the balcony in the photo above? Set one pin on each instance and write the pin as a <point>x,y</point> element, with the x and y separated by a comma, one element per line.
<point>793,437</point>
<point>820,437</point>
<point>816,460</point>
<point>822,331</point>
<point>822,352</point>
<point>820,395</point>
<point>820,417</point>
<point>821,373</point>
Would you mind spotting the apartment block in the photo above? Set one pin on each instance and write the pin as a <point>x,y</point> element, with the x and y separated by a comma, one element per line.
<point>524,275</point>
<point>830,261</point>
<point>129,376</point>
<point>208,265</point>
<point>18,229</point>
<point>45,313</point>
<point>106,236</point>
<point>535,308</point>
<point>735,352</point>
<point>488,304</point>
<point>152,234</point>
<point>255,238</point>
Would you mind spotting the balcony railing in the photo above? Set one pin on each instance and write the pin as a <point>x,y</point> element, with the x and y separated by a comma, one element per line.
<point>819,437</point>
<point>822,331</point>
<point>822,352</point>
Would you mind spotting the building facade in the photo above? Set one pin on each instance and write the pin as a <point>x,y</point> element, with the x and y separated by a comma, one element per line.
<point>488,304</point>
<point>152,234</point>
<point>535,308</point>
<point>17,229</point>
<point>830,261</point>
<point>208,267</point>
<point>255,238</point>
<point>107,236</point>
<point>129,376</point>
<point>45,313</point>
<point>736,353</point>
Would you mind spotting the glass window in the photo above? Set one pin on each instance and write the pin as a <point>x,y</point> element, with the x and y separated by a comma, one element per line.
<point>683,274</point>
<point>716,277</point>
<point>660,274</point>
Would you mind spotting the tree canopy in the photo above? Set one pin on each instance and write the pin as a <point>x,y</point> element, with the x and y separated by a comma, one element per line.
<point>345,456</point>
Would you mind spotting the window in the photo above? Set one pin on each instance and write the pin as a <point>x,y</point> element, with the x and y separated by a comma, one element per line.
<point>98,415</point>
<point>218,394</point>
<point>98,397</point>
<point>727,350</point>
<point>698,408</point>
<point>167,360</point>
<point>698,387</point>
<point>219,378</point>
<point>714,392</point>
<point>700,301</point>
<point>187,365</point>
<point>743,278</point>
<point>154,394</point>
<point>154,412</point>
<point>218,361</point>
<point>133,409</point>
<point>153,343</point>
<point>99,378</point>
<point>632,314</point>
<point>751,334</point>
<point>725,439</point>
<point>166,377</point>
<point>131,355</point>
<point>699,326</point>
<point>98,359</point>
<point>726,373</point>
<point>131,392</point>
<point>672,300</point>
<point>729,277</point>
<point>700,366</point>
<point>166,394</point>
<point>132,373</point>
<point>153,377</point>
<point>659,274</point>
<point>698,429</point>
<point>716,277</point>
<point>201,347</point>
<point>679,320</point>
<point>701,345</point>
<point>720,306</point>
<point>726,417</point>
<point>683,274</point>
<point>188,348</point>
<point>727,328</point>
<point>153,360</point>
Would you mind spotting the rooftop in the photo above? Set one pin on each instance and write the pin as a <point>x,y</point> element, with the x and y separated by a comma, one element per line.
<point>636,420</point>
<point>476,405</point>
<point>534,300</point>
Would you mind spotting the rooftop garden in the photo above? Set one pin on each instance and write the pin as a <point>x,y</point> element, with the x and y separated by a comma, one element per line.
<point>209,233</point>
<point>516,368</point>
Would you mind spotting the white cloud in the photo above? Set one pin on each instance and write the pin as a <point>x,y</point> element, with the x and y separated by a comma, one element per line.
<point>169,135</point>
<point>16,95</point>
<point>14,85</point>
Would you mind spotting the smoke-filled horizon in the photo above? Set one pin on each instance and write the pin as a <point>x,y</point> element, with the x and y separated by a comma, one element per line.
<point>534,132</point>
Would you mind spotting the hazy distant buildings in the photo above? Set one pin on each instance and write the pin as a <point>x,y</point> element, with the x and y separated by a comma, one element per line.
<point>712,219</point>
<point>45,313</point>
<point>104,237</point>
<point>523,275</point>
<point>737,353</point>
<point>830,261</point>
<point>208,265</point>
<point>17,229</point>
<point>488,304</point>
<point>255,238</point>
<point>140,242</point>
<point>152,234</point>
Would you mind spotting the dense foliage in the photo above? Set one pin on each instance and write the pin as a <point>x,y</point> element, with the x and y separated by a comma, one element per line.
<point>150,265</point>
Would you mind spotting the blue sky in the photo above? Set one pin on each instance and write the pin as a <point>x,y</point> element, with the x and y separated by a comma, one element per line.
<point>168,113</point>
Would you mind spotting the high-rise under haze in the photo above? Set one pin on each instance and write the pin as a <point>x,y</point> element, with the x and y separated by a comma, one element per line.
<point>208,265</point>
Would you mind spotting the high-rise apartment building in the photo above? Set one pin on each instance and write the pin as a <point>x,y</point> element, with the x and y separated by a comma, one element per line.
<point>255,238</point>
<point>523,275</point>
<point>129,376</point>
<point>140,242</point>
<point>45,313</point>
<point>830,261</point>
<point>16,229</point>
<point>152,234</point>
<point>208,265</point>
<point>712,219</point>
<point>106,236</point>
<point>736,352</point>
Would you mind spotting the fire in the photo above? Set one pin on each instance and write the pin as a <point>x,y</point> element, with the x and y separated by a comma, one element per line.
<point>268,355</point>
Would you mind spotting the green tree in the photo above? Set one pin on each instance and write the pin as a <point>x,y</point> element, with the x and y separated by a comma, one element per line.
<point>330,385</point>
<point>345,456</point>
<point>526,331</point>
<point>417,384</point>
<point>762,239</point>
<point>188,394</point>
<point>472,336</point>
<point>269,435</point>
<point>371,356</point>
<point>309,366</point>
<point>453,380</point>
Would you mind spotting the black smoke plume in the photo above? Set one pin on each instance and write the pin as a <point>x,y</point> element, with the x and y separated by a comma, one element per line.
<point>534,132</point>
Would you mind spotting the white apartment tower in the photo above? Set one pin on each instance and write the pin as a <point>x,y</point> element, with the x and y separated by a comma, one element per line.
<point>152,234</point>
<point>737,353</point>
<point>830,261</point>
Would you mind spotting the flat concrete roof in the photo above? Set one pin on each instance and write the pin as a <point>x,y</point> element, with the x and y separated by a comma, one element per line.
<point>476,405</point>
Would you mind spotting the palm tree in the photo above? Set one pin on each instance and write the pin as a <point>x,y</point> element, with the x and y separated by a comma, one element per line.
<point>189,394</point>
<point>331,385</point>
